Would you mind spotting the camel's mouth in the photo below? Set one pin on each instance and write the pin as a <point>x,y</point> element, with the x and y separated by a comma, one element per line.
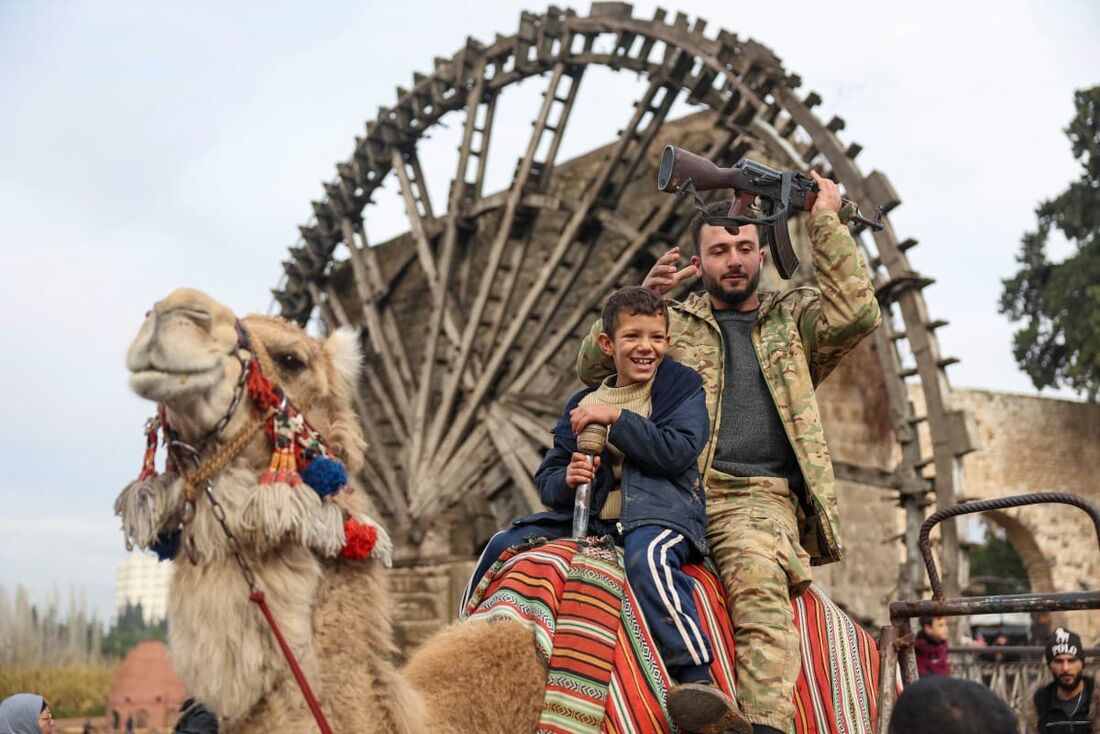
<point>162,386</point>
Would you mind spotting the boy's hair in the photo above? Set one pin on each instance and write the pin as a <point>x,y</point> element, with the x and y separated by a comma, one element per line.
<point>633,300</point>
<point>940,705</point>
<point>927,620</point>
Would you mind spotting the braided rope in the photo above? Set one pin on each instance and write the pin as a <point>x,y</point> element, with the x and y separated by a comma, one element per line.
<point>226,453</point>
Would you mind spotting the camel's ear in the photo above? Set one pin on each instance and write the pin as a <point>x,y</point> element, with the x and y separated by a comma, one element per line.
<point>342,346</point>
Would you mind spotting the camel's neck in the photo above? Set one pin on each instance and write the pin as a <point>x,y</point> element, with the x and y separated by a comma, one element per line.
<point>354,634</point>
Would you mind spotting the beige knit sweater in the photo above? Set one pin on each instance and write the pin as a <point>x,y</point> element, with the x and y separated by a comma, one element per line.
<point>634,397</point>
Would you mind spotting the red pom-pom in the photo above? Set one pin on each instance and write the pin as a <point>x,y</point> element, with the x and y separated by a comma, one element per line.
<point>359,540</point>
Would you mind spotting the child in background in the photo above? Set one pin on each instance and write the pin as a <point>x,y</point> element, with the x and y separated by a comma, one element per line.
<point>931,647</point>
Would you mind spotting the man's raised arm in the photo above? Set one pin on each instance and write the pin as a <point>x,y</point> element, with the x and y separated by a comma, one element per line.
<point>847,309</point>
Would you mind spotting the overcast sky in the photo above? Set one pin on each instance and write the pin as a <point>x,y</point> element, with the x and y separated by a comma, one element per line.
<point>145,146</point>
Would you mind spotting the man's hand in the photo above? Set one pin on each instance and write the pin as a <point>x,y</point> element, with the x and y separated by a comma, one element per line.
<point>583,415</point>
<point>828,195</point>
<point>664,276</point>
<point>579,472</point>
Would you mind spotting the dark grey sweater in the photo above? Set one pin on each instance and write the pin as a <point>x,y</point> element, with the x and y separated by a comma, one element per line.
<point>751,438</point>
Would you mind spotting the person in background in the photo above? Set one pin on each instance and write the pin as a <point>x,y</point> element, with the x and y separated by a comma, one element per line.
<point>1070,704</point>
<point>939,705</point>
<point>195,719</point>
<point>931,647</point>
<point>25,713</point>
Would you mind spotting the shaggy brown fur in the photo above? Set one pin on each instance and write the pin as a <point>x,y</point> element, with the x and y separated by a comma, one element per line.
<point>472,677</point>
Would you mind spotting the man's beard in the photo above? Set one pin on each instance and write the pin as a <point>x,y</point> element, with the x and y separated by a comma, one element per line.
<point>1069,686</point>
<point>732,297</point>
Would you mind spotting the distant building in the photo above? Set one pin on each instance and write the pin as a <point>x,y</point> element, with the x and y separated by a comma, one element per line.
<point>141,579</point>
<point>146,689</point>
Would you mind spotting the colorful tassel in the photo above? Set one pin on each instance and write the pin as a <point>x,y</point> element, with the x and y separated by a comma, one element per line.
<point>327,535</point>
<point>264,395</point>
<point>276,510</point>
<point>359,540</point>
<point>326,476</point>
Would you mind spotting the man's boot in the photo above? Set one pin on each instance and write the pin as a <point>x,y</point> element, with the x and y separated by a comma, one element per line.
<point>697,708</point>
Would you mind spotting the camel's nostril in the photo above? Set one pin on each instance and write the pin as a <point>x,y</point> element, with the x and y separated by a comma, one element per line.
<point>199,316</point>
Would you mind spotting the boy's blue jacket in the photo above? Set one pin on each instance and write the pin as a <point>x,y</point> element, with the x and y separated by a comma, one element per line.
<point>660,480</point>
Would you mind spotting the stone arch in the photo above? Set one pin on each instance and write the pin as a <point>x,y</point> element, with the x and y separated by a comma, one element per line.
<point>1023,541</point>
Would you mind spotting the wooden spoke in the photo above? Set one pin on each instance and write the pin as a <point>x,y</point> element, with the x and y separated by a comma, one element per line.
<point>439,294</point>
<point>489,274</point>
<point>380,476</point>
<point>518,455</point>
<point>568,325</point>
<point>620,153</point>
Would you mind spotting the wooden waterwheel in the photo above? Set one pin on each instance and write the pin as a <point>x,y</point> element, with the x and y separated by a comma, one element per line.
<point>471,320</point>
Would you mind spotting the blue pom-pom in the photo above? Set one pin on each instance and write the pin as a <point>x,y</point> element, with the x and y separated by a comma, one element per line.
<point>166,545</point>
<point>325,475</point>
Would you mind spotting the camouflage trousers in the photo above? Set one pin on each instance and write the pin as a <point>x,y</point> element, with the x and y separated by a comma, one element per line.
<point>753,537</point>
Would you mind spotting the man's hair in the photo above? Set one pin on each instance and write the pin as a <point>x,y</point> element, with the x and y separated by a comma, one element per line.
<point>633,300</point>
<point>714,209</point>
<point>941,705</point>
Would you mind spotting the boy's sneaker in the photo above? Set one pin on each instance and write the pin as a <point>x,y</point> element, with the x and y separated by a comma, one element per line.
<point>698,708</point>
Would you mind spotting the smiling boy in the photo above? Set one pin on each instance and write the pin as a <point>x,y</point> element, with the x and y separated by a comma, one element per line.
<point>646,489</point>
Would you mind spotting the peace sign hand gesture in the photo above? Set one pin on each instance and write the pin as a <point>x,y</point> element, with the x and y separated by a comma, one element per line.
<point>664,275</point>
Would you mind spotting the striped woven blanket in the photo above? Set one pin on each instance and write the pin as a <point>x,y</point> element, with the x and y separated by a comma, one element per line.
<point>605,674</point>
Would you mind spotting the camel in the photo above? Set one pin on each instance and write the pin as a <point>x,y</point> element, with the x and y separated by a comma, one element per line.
<point>191,359</point>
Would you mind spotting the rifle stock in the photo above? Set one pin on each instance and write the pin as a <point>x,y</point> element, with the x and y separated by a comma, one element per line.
<point>679,165</point>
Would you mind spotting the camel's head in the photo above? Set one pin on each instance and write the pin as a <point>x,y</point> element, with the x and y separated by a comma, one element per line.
<point>189,355</point>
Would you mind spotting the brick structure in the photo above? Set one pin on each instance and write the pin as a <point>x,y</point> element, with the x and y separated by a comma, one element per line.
<point>146,688</point>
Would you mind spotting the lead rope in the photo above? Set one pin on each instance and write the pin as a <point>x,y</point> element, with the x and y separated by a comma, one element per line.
<point>204,476</point>
<point>257,597</point>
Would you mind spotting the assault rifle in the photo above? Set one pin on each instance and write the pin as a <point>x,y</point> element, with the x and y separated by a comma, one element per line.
<point>780,193</point>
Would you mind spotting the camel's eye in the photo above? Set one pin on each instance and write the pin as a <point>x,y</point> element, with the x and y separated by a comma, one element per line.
<point>289,363</point>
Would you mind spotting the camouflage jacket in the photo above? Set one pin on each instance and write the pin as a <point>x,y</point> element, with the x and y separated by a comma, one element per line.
<point>800,336</point>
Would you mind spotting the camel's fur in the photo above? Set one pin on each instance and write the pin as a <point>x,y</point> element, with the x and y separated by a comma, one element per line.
<point>472,677</point>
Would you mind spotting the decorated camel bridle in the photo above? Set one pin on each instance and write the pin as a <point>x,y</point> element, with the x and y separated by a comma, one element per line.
<point>301,460</point>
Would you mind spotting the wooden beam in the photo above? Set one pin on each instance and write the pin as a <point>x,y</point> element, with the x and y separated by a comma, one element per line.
<point>437,317</point>
<point>516,453</point>
<point>416,220</point>
<point>380,476</point>
<point>489,273</point>
<point>380,327</point>
<point>475,456</point>
<point>482,152</point>
<point>527,365</point>
<point>537,289</point>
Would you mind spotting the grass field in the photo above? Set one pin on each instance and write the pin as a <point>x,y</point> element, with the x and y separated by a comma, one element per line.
<point>72,691</point>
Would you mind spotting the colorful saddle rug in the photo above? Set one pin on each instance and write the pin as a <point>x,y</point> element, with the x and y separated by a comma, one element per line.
<point>604,671</point>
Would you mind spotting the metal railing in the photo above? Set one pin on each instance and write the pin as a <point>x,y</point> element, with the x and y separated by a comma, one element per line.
<point>896,642</point>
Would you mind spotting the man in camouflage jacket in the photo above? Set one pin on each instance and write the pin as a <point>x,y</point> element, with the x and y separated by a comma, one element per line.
<point>768,524</point>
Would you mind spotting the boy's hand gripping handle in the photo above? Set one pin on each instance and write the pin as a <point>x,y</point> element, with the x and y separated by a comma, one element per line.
<point>590,443</point>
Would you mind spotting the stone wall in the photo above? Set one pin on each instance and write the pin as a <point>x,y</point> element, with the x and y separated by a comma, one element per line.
<point>1029,444</point>
<point>1033,444</point>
